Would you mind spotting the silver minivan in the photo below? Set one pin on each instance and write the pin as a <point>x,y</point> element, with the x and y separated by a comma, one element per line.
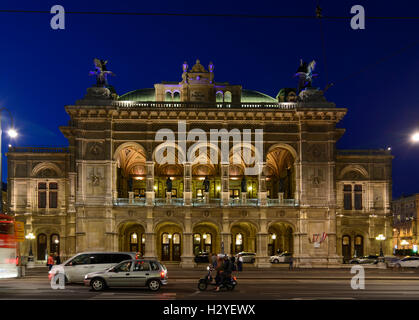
<point>83,263</point>
<point>132,273</point>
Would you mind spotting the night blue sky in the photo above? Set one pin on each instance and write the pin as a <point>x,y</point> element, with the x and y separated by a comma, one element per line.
<point>42,70</point>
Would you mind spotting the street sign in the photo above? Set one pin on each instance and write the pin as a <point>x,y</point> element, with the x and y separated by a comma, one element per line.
<point>19,231</point>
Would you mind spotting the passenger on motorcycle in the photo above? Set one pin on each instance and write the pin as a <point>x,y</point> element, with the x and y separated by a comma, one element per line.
<point>225,274</point>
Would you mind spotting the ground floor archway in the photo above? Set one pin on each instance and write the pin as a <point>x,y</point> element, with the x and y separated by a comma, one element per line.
<point>206,238</point>
<point>169,241</point>
<point>243,237</point>
<point>132,238</point>
<point>280,238</point>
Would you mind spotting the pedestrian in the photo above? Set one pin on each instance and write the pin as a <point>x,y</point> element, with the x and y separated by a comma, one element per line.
<point>214,260</point>
<point>233,262</point>
<point>218,277</point>
<point>50,261</point>
<point>57,258</point>
<point>291,263</point>
<point>240,263</point>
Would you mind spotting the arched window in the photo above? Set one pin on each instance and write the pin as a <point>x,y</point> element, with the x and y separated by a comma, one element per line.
<point>346,247</point>
<point>238,243</point>
<point>55,244</point>
<point>133,242</point>
<point>165,247</point>
<point>227,97</point>
<point>176,96</point>
<point>176,247</point>
<point>207,242</point>
<point>41,247</point>
<point>196,243</point>
<point>168,96</point>
<point>219,97</point>
<point>359,246</point>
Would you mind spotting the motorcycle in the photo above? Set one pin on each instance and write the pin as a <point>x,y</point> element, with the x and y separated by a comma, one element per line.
<point>228,283</point>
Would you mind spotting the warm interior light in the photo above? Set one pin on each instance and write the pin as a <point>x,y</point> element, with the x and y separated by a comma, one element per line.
<point>30,236</point>
<point>169,236</point>
<point>380,237</point>
<point>274,236</point>
<point>204,236</point>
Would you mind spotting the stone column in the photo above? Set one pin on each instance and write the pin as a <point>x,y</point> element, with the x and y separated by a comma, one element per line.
<point>114,180</point>
<point>150,237</point>
<point>187,184</point>
<point>262,259</point>
<point>225,234</point>
<point>187,258</point>
<point>262,194</point>
<point>225,180</point>
<point>298,181</point>
<point>150,193</point>
<point>302,259</point>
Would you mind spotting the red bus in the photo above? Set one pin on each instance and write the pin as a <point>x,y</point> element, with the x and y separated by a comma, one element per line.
<point>8,267</point>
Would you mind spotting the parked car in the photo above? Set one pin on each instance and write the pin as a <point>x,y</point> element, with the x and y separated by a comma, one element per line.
<point>283,257</point>
<point>407,262</point>
<point>83,263</point>
<point>131,273</point>
<point>248,257</point>
<point>202,257</point>
<point>371,259</point>
<point>390,261</point>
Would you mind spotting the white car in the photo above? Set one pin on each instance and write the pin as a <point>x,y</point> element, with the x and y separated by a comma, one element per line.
<point>83,263</point>
<point>407,262</point>
<point>283,257</point>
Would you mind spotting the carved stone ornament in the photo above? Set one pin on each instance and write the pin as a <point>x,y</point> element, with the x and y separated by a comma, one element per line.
<point>312,95</point>
<point>169,213</point>
<point>99,93</point>
<point>206,214</point>
<point>280,213</point>
<point>95,180</point>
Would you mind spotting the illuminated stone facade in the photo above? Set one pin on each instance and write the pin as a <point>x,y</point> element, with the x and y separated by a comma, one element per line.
<point>106,191</point>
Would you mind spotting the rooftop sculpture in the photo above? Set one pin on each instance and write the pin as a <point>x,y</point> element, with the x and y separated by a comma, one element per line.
<point>101,72</point>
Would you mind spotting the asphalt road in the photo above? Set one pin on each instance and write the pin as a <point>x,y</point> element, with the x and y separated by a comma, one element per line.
<point>302,285</point>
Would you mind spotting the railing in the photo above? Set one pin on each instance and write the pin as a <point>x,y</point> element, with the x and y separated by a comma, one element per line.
<point>39,150</point>
<point>201,105</point>
<point>129,202</point>
<point>282,203</point>
<point>201,202</point>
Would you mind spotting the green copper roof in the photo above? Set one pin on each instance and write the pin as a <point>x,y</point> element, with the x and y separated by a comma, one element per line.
<point>140,95</point>
<point>148,94</point>
<point>256,96</point>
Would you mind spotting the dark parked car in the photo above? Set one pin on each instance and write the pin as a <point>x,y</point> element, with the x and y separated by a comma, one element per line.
<point>202,257</point>
<point>371,259</point>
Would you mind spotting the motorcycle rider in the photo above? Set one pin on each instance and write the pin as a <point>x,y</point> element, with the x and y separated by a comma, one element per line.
<point>226,273</point>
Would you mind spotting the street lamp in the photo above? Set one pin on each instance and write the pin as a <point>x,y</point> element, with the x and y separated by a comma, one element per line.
<point>13,134</point>
<point>381,238</point>
<point>30,237</point>
<point>415,137</point>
